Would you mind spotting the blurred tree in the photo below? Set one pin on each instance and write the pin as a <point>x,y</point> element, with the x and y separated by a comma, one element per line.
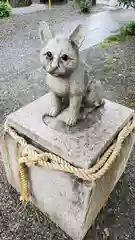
<point>20,3</point>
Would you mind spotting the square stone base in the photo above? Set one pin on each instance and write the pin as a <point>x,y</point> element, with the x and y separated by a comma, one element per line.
<point>71,203</point>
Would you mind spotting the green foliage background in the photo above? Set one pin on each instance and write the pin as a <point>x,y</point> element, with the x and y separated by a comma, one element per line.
<point>5,9</point>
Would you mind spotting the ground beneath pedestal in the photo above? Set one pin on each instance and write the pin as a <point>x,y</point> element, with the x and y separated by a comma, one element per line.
<point>115,65</point>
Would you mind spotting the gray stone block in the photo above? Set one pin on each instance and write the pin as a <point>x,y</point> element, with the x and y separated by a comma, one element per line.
<point>80,145</point>
<point>70,202</point>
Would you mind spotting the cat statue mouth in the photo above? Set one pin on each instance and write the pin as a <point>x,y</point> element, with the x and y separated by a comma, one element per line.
<point>55,72</point>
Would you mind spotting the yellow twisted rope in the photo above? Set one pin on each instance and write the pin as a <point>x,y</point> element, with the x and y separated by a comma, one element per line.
<point>24,182</point>
<point>30,156</point>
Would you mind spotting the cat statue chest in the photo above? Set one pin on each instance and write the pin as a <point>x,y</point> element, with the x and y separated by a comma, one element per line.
<point>58,85</point>
<point>69,85</point>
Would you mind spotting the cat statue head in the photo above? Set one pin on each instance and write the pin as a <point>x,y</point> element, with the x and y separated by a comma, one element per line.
<point>59,55</point>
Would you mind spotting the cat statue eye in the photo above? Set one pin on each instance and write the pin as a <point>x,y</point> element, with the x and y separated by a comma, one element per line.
<point>49,54</point>
<point>65,57</point>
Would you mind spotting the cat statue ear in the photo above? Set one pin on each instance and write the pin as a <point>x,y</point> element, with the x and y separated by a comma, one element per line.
<point>44,32</point>
<point>78,35</point>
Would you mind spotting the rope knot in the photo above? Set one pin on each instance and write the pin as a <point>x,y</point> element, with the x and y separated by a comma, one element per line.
<point>31,157</point>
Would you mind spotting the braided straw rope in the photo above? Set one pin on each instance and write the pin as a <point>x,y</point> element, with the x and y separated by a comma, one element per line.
<point>30,156</point>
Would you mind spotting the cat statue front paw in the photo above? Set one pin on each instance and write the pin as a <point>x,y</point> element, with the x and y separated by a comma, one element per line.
<point>53,112</point>
<point>71,121</point>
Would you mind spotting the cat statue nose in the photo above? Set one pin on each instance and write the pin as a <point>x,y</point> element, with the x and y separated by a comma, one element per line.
<point>55,61</point>
<point>54,65</point>
<point>53,69</point>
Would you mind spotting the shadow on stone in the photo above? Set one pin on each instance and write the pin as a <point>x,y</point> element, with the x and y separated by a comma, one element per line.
<point>59,124</point>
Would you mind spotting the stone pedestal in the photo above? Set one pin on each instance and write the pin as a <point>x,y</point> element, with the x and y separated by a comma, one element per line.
<point>70,202</point>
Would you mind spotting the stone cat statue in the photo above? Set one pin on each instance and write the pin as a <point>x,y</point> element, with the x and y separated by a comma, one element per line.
<point>67,76</point>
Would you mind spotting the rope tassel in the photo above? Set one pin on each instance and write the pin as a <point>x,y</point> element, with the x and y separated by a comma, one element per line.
<point>24,182</point>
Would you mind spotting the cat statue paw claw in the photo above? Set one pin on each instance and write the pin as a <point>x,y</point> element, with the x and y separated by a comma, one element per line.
<point>71,121</point>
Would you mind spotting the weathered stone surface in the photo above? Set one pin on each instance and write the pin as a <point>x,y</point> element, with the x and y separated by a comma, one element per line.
<point>80,145</point>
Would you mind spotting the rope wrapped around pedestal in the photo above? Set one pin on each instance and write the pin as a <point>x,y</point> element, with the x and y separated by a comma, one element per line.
<point>30,156</point>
